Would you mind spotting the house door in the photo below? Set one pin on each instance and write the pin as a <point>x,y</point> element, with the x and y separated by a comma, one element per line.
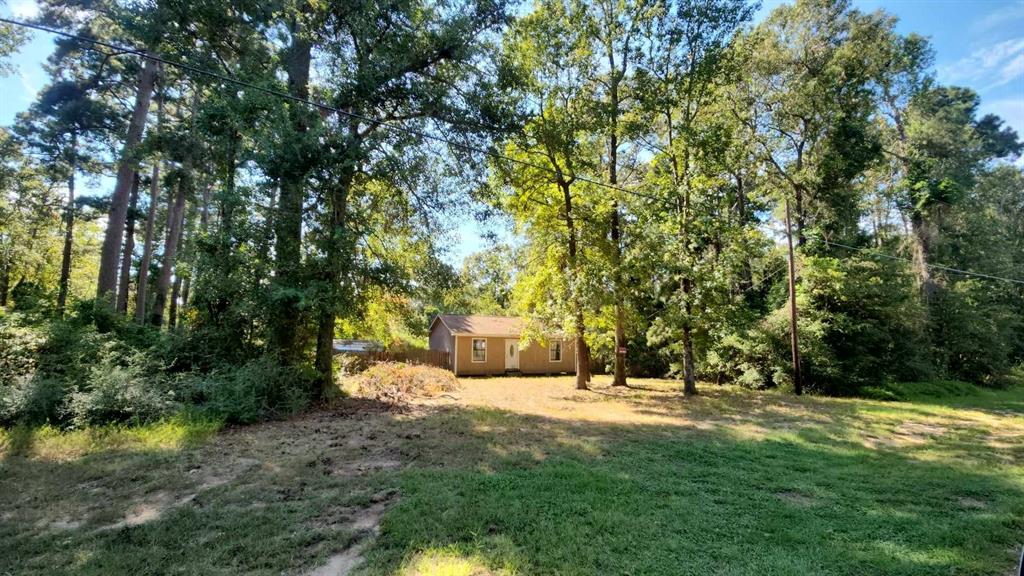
<point>511,355</point>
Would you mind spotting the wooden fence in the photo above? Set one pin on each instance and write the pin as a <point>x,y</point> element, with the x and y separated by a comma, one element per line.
<point>438,358</point>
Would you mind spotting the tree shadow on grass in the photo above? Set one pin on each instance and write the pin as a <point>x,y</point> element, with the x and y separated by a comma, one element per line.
<point>492,490</point>
<point>550,496</point>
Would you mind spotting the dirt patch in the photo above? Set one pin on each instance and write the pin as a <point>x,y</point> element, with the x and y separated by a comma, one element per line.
<point>65,523</point>
<point>904,435</point>
<point>796,498</point>
<point>156,504</point>
<point>972,503</point>
<point>365,522</point>
<point>920,431</point>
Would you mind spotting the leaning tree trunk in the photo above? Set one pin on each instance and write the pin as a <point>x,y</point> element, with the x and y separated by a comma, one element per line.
<point>288,218</point>
<point>579,330</point>
<point>129,249</point>
<point>106,285</point>
<point>69,240</point>
<point>175,216</point>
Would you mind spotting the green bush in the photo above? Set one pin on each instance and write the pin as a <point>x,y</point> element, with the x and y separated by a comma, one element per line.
<point>19,348</point>
<point>120,394</point>
<point>33,400</point>
<point>261,389</point>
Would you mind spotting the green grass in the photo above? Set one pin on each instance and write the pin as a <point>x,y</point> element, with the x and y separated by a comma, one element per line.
<point>744,483</point>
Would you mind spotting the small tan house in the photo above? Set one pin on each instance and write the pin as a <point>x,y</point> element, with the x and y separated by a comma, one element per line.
<point>486,345</point>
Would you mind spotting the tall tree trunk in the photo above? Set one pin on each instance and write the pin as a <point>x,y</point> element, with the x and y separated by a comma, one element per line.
<point>179,265</point>
<point>142,284</point>
<point>747,274</point>
<point>686,285</point>
<point>923,233</point>
<point>337,251</point>
<point>172,312</point>
<point>620,309</point>
<point>186,289</point>
<point>288,219</point>
<point>106,285</point>
<point>579,329</point>
<point>69,238</point>
<point>175,217</point>
<point>129,248</point>
<point>689,372</point>
<point>5,281</point>
<point>142,287</point>
<point>614,78</point>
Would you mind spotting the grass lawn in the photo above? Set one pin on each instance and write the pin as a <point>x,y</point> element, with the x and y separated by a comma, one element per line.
<point>528,476</point>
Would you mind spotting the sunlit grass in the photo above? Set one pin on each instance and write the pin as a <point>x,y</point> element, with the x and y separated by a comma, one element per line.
<point>47,442</point>
<point>543,480</point>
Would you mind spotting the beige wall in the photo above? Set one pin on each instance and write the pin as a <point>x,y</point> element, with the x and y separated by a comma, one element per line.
<point>495,363</point>
<point>532,360</point>
<point>535,359</point>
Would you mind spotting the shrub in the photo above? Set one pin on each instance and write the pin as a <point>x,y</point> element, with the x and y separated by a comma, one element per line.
<point>19,348</point>
<point>261,389</point>
<point>33,400</point>
<point>396,382</point>
<point>119,394</point>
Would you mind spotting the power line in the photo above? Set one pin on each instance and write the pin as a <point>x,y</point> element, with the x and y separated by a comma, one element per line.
<point>934,266</point>
<point>318,105</point>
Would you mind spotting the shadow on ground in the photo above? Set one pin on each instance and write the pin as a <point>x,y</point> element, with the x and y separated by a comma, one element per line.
<point>735,484</point>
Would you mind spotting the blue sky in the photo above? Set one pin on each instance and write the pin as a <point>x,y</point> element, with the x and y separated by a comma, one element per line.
<point>978,43</point>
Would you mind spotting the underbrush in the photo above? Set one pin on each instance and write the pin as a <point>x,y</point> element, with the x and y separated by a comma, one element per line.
<point>396,383</point>
<point>69,374</point>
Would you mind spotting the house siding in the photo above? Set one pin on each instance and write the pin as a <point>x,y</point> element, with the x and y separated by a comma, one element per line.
<point>495,363</point>
<point>534,359</point>
<point>440,338</point>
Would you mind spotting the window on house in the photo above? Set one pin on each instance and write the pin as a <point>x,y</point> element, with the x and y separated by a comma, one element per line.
<point>555,351</point>
<point>479,349</point>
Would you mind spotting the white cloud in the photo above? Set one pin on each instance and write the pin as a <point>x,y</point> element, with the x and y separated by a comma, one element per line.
<point>997,19</point>
<point>24,9</point>
<point>991,66</point>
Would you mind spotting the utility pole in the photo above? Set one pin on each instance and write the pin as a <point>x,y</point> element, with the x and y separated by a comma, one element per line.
<point>797,379</point>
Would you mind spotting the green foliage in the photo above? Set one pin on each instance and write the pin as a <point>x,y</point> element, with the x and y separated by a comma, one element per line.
<point>305,224</point>
<point>115,394</point>
<point>20,344</point>
<point>260,389</point>
<point>981,347</point>
<point>33,400</point>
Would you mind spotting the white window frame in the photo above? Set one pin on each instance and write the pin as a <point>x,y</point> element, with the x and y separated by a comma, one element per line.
<point>551,350</point>
<point>472,351</point>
